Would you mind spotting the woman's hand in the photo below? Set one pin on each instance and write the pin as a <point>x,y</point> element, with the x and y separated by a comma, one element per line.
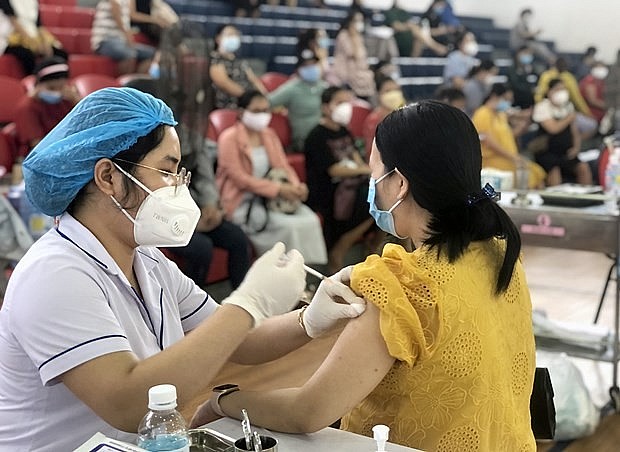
<point>211,217</point>
<point>289,192</point>
<point>302,192</point>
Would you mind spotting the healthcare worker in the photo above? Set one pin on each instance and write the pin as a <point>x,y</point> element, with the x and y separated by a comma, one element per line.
<point>95,314</point>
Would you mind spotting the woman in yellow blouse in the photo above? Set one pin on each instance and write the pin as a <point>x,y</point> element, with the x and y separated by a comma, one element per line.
<point>497,137</point>
<point>444,353</point>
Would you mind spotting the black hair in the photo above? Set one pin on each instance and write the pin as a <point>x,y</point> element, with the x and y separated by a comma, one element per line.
<point>134,154</point>
<point>329,93</point>
<point>218,32</point>
<point>47,62</point>
<point>552,83</point>
<point>381,80</point>
<point>346,22</point>
<point>442,164</point>
<point>526,11</point>
<point>498,89</point>
<point>449,94</point>
<point>460,37</point>
<point>305,38</point>
<point>247,97</point>
<point>484,65</point>
<point>561,64</point>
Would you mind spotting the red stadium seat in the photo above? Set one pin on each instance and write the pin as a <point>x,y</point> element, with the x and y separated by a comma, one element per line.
<point>11,67</point>
<point>74,40</point>
<point>272,80</point>
<point>92,64</point>
<point>279,123</point>
<point>298,162</point>
<point>89,83</point>
<point>11,92</point>
<point>361,109</point>
<point>50,15</point>
<point>218,270</point>
<point>8,146</point>
<point>77,17</point>
<point>59,2</point>
<point>220,120</point>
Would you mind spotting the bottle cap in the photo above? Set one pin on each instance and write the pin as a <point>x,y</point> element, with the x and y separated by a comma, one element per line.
<point>380,435</point>
<point>162,397</point>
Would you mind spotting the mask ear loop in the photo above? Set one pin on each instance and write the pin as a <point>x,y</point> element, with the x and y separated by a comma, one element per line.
<point>138,183</point>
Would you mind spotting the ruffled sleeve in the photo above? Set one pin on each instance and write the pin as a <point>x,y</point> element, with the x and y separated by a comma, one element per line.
<point>405,294</point>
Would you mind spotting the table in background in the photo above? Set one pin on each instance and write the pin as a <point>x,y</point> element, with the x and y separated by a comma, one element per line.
<point>593,228</point>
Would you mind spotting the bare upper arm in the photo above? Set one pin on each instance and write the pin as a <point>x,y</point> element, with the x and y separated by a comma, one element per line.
<point>354,367</point>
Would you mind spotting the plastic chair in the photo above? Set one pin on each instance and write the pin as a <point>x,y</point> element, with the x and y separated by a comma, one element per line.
<point>298,162</point>
<point>50,15</point>
<point>220,120</point>
<point>77,17</point>
<point>280,125</point>
<point>272,80</point>
<point>92,64</point>
<point>11,92</point>
<point>89,83</point>
<point>361,109</point>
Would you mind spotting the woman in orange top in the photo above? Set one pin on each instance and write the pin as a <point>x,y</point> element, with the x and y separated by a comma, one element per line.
<point>246,153</point>
<point>444,353</point>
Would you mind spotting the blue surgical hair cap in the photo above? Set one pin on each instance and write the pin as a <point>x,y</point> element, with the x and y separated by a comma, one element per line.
<point>101,125</point>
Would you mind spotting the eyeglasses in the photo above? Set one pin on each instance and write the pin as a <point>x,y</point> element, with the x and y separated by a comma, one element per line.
<point>183,177</point>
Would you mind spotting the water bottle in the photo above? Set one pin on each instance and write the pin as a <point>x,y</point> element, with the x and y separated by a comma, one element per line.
<point>163,428</point>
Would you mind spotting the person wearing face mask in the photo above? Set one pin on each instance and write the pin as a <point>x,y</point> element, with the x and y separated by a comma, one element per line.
<point>460,61</point>
<point>592,88</point>
<point>445,352</point>
<point>523,34</point>
<point>443,25</point>
<point>317,41</point>
<point>301,96</point>
<point>559,141</point>
<point>337,177</point>
<point>478,84</point>
<point>497,136</point>
<point>390,97</point>
<point>586,124</point>
<point>522,78</point>
<point>51,100</point>
<point>95,314</point>
<point>230,76</point>
<point>246,153</point>
<point>350,65</point>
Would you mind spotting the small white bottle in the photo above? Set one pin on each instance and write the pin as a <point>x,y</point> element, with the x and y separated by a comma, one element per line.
<point>163,428</point>
<point>380,434</point>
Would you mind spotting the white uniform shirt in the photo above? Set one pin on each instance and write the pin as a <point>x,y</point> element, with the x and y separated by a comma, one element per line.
<point>68,302</point>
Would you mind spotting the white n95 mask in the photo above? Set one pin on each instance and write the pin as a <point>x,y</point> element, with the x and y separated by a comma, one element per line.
<point>167,217</point>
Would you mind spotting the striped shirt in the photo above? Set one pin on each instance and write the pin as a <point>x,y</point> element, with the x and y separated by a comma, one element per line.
<point>104,25</point>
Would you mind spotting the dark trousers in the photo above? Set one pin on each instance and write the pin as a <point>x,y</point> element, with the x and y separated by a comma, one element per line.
<point>28,59</point>
<point>199,253</point>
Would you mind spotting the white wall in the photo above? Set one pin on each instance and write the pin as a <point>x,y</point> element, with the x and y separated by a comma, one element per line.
<point>572,24</point>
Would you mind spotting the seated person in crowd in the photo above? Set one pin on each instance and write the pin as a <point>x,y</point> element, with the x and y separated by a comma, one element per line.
<point>586,62</point>
<point>112,36</point>
<point>152,17</point>
<point>444,354</point>
<point>612,88</point>
<point>350,57</point>
<point>592,88</point>
<point>301,96</point>
<point>586,124</point>
<point>247,151</point>
<point>230,76</point>
<point>461,60</point>
<point>213,230</point>
<point>337,177</point>
<point>317,41</point>
<point>497,137</point>
<point>245,8</point>
<point>478,84</point>
<point>390,97</point>
<point>444,25</point>
<point>23,36</point>
<point>410,38</point>
<point>522,79</point>
<point>51,100</point>
<point>522,34</point>
<point>451,96</point>
<point>559,141</point>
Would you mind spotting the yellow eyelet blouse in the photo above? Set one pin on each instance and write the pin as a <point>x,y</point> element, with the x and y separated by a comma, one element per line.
<point>465,358</point>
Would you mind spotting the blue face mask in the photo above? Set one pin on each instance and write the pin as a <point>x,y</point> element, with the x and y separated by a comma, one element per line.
<point>503,105</point>
<point>439,9</point>
<point>230,44</point>
<point>383,218</point>
<point>50,97</point>
<point>323,42</point>
<point>526,58</point>
<point>310,74</point>
<point>155,71</point>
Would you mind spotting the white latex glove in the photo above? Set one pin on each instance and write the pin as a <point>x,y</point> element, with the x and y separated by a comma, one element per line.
<point>323,312</point>
<point>273,285</point>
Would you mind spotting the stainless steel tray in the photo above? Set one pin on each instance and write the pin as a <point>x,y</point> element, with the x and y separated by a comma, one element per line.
<point>207,440</point>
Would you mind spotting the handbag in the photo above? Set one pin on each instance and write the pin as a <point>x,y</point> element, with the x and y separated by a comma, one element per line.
<point>542,408</point>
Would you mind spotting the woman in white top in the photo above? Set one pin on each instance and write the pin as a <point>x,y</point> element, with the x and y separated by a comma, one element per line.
<point>95,314</point>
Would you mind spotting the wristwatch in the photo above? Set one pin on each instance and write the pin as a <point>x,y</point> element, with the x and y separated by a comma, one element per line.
<point>221,391</point>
